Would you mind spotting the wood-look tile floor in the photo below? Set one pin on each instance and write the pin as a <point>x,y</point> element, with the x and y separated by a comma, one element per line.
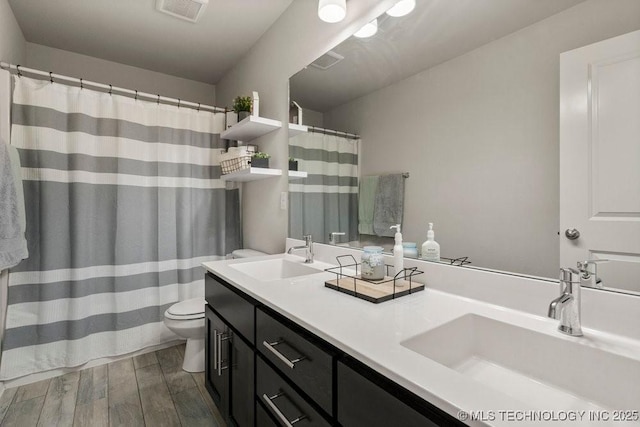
<point>147,390</point>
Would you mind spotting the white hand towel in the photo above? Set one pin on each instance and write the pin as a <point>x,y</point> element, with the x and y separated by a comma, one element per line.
<point>13,245</point>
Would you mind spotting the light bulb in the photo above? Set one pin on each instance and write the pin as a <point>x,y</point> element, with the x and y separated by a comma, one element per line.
<point>368,30</point>
<point>332,10</point>
<point>403,7</point>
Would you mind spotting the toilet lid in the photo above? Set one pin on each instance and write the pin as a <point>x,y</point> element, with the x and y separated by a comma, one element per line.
<point>187,309</point>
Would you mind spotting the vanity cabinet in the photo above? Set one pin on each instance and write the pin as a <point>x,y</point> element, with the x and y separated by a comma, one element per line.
<point>264,370</point>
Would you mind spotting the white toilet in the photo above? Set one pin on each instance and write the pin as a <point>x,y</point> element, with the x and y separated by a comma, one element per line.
<point>186,319</point>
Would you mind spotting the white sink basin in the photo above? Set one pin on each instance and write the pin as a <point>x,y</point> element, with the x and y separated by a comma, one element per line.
<point>544,371</point>
<point>274,269</point>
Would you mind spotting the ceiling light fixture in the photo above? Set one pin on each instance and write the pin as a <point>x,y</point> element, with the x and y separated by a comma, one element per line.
<point>332,10</point>
<point>368,30</point>
<point>401,8</point>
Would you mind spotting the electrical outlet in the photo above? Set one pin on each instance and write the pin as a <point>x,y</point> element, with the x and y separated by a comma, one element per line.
<point>283,200</point>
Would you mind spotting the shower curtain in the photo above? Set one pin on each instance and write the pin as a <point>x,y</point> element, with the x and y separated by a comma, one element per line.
<point>327,200</point>
<point>123,202</point>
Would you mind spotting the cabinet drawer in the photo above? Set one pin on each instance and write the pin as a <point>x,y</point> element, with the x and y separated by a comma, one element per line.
<point>303,362</point>
<point>282,401</point>
<point>262,418</point>
<point>236,309</point>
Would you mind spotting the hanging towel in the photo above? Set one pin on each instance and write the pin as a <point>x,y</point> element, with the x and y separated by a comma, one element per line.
<point>389,204</point>
<point>366,203</point>
<point>13,246</point>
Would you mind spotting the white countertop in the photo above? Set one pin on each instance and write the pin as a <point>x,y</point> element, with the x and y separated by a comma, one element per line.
<point>373,333</point>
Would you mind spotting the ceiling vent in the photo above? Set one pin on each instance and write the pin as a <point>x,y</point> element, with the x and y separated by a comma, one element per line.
<point>189,10</point>
<point>327,60</point>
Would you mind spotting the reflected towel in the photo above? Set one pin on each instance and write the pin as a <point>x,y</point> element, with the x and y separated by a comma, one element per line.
<point>366,203</point>
<point>389,204</point>
<point>13,246</point>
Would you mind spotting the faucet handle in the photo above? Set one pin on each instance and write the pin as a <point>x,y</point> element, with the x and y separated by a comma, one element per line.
<point>567,278</point>
<point>308,239</point>
<point>583,266</point>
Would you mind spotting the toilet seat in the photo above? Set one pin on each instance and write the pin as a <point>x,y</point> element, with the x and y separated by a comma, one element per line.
<point>186,310</point>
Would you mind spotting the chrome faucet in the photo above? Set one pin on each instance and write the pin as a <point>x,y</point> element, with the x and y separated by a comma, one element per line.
<point>589,275</point>
<point>566,307</point>
<point>333,235</point>
<point>308,248</point>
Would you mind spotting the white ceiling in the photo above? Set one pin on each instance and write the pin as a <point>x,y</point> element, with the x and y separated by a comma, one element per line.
<point>133,32</point>
<point>436,31</point>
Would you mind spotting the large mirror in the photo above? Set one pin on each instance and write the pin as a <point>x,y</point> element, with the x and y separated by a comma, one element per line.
<point>456,108</point>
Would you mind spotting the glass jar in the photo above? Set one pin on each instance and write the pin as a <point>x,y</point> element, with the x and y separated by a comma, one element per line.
<point>410,249</point>
<point>372,263</point>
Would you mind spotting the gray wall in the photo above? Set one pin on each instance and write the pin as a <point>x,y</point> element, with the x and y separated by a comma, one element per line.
<point>481,140</point>
<point>312,118</point>
<point>12,43</point>
<point>99,70</point>
<point>296,39</point>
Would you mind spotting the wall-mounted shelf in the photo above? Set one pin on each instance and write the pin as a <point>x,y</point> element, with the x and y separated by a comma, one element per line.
<point>297,174</point>
<point>251,128</point>
<point>296,129</point>
<point>251,174</point>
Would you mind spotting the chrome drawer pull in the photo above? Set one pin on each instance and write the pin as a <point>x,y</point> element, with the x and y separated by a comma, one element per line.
<point>271,347</point>
<point>215,349</point>
<point>219,340</point>
<point>269,401</point>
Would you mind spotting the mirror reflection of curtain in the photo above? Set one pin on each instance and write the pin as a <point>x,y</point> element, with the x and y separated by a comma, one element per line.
<point>327,200</point>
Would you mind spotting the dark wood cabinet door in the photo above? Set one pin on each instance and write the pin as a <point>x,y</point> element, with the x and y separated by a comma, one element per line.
<point>216,349</point>
<point>241,362</point>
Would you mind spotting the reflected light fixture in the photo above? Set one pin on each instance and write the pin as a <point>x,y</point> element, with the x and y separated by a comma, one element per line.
<point>332,10</point>
<point>401,8</point>
<point>368,30</point>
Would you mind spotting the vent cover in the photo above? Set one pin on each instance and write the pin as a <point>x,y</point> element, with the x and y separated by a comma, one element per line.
<point>189,10</point>
<point>327,60</point>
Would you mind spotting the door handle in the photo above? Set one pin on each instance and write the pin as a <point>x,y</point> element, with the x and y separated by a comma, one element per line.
<point>219,339</point>
<point>269,400</point>
<point>572,233</point>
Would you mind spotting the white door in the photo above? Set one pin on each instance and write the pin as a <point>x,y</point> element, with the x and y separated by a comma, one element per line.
<point>600,158</point>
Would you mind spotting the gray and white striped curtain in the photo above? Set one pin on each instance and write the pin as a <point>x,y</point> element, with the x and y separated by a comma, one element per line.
<point>123,202</point>
<point>327,200</point>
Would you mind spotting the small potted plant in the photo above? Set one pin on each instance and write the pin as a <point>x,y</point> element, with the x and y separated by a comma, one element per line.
<point>242,107</point>
<point>293,164</point>
<point>260,160</point>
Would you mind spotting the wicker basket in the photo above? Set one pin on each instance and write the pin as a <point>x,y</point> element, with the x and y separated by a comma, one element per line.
<point>235,164</point>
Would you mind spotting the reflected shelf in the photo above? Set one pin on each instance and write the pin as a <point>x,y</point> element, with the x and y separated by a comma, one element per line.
<point>251,174</point>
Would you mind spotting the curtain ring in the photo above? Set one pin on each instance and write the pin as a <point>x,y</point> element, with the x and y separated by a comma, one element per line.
<point>81,85</point>
<point>18,68</point>
<point>136,98</point>
<point>198,106</point>
<point>50,77</point>
<point>178,102</point>
<point>158,99</point>
<point>110,89</point>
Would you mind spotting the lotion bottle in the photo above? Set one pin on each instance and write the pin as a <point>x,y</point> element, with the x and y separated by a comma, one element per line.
<point>431,248</point>
<point>398,251</point>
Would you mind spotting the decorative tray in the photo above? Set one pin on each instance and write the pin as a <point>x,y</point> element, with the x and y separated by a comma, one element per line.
<point>375,291</point>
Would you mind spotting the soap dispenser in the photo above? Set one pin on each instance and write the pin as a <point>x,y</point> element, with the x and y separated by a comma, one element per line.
<point>398,251</point>
<point>431,248</point>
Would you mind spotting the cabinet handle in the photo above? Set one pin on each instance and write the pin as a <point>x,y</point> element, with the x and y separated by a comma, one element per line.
<point>271,347</point>
<point>219,339</point>
<point>215,349</point>
<point>269,401</point>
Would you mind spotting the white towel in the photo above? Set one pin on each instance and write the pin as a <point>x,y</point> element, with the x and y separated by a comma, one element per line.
<point>13,245</point>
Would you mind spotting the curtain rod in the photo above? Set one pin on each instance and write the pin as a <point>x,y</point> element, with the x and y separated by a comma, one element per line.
<point>19,69</point>
<point>333,132</point>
